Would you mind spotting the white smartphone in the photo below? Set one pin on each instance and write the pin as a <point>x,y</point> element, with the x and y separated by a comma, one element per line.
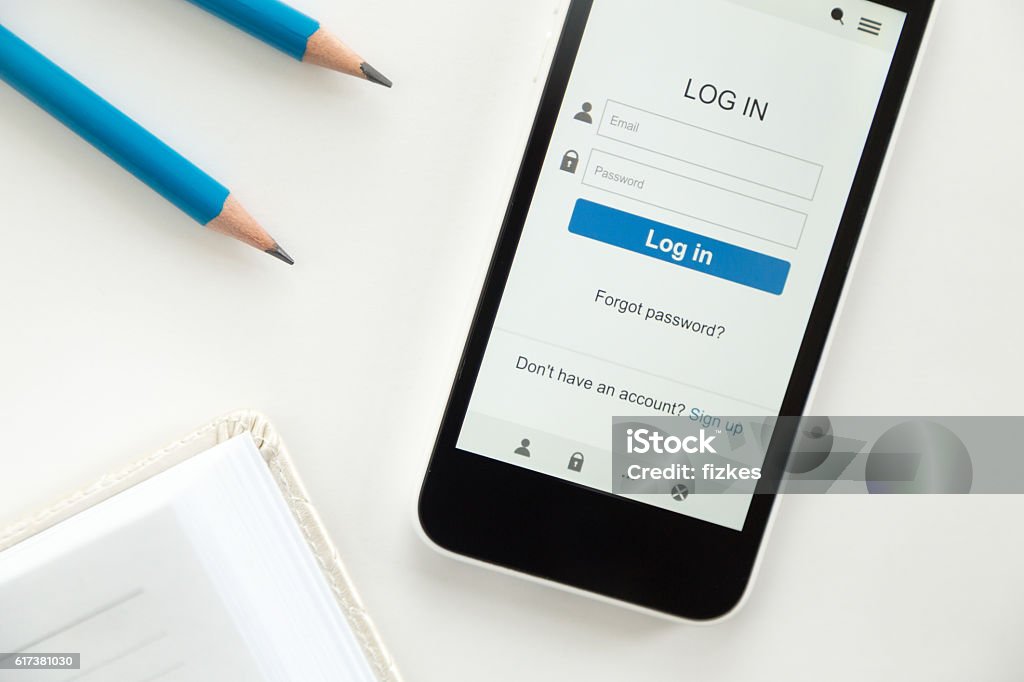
<point>689,202</point>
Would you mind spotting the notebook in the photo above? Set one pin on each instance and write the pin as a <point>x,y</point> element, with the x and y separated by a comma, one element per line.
<point>204,561</point>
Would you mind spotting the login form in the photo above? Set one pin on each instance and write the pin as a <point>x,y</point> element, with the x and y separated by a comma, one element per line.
<point>690,197</point>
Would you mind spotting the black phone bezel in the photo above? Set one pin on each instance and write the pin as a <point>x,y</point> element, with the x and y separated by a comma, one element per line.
<point>590,540</point>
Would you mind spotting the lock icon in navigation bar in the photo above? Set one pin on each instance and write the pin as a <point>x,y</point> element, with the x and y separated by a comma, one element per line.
<point>570,161</point>
<point>576,462</point>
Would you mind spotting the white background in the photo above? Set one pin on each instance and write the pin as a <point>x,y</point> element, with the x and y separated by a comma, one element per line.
<point>124,326</point>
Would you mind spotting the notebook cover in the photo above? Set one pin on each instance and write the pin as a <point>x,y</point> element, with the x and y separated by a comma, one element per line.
<point>275,454</point>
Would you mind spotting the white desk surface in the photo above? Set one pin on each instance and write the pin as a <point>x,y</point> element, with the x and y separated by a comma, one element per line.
<point>125,326</point>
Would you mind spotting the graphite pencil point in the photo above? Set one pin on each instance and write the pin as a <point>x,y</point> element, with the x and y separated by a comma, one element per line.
<point>277,252</point>
<point>374,76</point>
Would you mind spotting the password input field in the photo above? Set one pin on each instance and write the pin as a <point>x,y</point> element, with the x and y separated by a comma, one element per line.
<point>694,199</point>
<point>710,150</point>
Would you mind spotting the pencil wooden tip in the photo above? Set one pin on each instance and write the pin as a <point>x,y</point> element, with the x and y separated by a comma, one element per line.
<point>325,49</point>
<point>236,222</point>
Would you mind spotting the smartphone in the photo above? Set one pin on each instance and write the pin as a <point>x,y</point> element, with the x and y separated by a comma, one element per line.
<point>710,160</point>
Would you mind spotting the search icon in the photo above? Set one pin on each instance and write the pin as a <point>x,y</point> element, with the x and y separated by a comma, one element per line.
<point>837,15</point>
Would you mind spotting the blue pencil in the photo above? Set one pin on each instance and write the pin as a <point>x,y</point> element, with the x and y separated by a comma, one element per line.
<point>293,33</point>
<point>133,147</point>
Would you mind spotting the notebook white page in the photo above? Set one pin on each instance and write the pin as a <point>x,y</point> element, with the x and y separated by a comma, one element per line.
<point>200,573</point>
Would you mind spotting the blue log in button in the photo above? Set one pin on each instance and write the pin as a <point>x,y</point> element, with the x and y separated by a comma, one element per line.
<point>679,247</point>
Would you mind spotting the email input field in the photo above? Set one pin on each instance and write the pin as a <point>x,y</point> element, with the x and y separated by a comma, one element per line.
<point>694,198</point>
<point>710,150</point>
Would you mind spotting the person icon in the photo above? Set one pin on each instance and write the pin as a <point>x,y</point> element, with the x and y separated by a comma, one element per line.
<point>524,448</point>
<point>584,115</point>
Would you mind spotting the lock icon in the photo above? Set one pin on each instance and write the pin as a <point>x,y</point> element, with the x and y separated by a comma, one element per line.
<point>576,462</point>
<point>570,161</point>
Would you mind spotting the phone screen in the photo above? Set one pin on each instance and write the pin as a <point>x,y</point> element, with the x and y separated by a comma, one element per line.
<point>678,233</point>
